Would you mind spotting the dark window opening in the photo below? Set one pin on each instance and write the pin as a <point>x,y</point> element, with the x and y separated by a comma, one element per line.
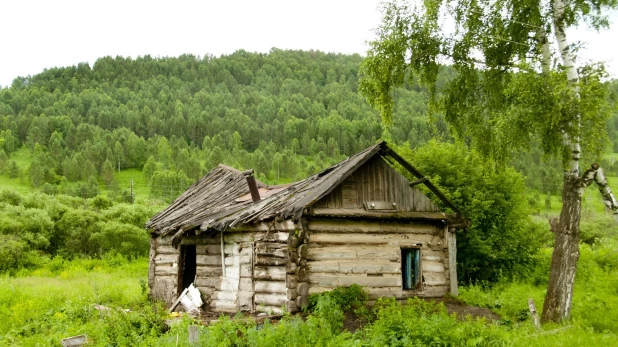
<point>411,268</point>
<point>189,265</point>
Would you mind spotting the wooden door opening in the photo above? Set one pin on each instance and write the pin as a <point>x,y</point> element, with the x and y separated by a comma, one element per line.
<point>188,266</point>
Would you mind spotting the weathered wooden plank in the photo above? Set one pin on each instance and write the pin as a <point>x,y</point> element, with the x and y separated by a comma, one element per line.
<point>374,239</point>
<point>199,240</point>
<point>227,284</point>
<point>224,295</point>
<point>246,270</point>
<point>209,271</point>
<point>163,270</point>
<point>214,249</point>
<point>276,287</point>
<point>343,226</point>
<point>376,266</point>
<point>352,252</point>
<point>161,259</point>
<point>270,261</point>
<point>207,282</point>
<point>272,250</point>
<point>258,236</point>
<point>151,262</point>
<point>334,280</point>
<point>433,266</point>
<point>272,273</point>
<point>223,306</point>
<point>245,284</point>
<point>245,301</point>
<point>452,262</point>
<point>206,291</point>
<point>276,300</point>
<point>211,260</point>
<point>435,279</point>
<point>166,249</point>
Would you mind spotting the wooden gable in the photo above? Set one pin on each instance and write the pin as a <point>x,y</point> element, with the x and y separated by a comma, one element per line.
<point>377,183</point>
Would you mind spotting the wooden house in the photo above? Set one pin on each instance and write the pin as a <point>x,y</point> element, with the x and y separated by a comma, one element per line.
<point>252,247</point>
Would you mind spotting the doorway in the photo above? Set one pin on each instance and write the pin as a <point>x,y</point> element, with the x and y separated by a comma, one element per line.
<point>188,266</point>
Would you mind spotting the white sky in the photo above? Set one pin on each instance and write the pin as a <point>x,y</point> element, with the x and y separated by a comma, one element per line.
<point>39,34</point>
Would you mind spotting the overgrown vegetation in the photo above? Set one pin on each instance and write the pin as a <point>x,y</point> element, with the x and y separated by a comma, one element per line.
<point>35,227</point>
<point>39,307</point>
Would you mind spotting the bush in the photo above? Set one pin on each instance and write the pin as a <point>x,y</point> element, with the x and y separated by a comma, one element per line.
<point>503,240</point>
<point>420,323</point>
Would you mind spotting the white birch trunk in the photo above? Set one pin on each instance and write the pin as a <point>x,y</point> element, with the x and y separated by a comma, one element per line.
<point>558,299</point>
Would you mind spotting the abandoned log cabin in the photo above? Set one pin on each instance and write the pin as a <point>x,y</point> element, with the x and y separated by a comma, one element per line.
<point>249,247</point>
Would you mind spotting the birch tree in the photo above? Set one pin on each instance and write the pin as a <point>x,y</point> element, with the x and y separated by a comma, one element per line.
<point>516,81</point>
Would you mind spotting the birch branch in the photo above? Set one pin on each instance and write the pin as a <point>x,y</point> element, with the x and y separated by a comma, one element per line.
<point>595,174</point>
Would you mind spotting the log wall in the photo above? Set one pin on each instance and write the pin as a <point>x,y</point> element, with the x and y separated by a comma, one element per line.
<point>163,270</point>
<point>342,253</point>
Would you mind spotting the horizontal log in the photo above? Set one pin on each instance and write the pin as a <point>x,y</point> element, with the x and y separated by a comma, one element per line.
<point>227,284</point>
<point>160,259</point>
<point>163,270</point>
<point>270,261</point>
<point>208,249</point>
<point>392,292</point>
<point>343,226</point>
<point>208,260</point>
<point>207,282</point>
<point>166,249</point>
<point>435,279</point>
<point>286,225</point>
<point>270,299</point>
<point>272,273</point>
<point>209,271</point>
<point>381,215</point>
<point>224,296</point>
<point>273,287</point>
<point>164,240</point>
<point>223,306</point>
<point>206,291</point>
<point>353,252</point>
<point>376,266</point>
<point>256,236</point>
<point>372,239</point>
<point>199,240</point>
<point>335,280</point>
<point>432,266</point>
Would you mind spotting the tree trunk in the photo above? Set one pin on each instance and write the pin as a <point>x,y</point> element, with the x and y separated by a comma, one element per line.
<point>557,304</point>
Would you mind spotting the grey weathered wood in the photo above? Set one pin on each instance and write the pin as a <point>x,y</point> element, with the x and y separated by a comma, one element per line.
<point>452,261</point>
<point>151,262</point>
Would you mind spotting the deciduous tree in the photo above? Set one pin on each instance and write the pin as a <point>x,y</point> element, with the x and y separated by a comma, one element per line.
<point>506,92</point>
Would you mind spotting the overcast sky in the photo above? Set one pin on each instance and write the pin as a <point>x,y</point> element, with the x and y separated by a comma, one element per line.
<point>39,34</point>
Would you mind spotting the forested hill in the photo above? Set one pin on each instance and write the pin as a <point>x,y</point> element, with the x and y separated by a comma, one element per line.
<point>285,113</point>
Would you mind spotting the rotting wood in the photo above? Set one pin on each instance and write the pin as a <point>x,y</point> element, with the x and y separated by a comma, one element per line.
<point>151,262</point>
<point>166,249</point>
<point>385,214</point>
<point>352,252</point>
<point>270,261</point>
<point>166,270</point>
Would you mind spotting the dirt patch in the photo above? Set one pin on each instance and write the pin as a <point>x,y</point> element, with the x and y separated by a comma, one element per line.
<point>353,322</point>
<point>462,310</point>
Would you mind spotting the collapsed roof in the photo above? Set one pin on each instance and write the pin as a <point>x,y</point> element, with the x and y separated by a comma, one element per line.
<point>221,199</point>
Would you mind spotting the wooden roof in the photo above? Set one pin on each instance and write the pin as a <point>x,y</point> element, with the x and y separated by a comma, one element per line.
<point>220,200</point>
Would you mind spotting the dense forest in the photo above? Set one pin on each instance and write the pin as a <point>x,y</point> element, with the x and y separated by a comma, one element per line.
<point>286,114</point>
